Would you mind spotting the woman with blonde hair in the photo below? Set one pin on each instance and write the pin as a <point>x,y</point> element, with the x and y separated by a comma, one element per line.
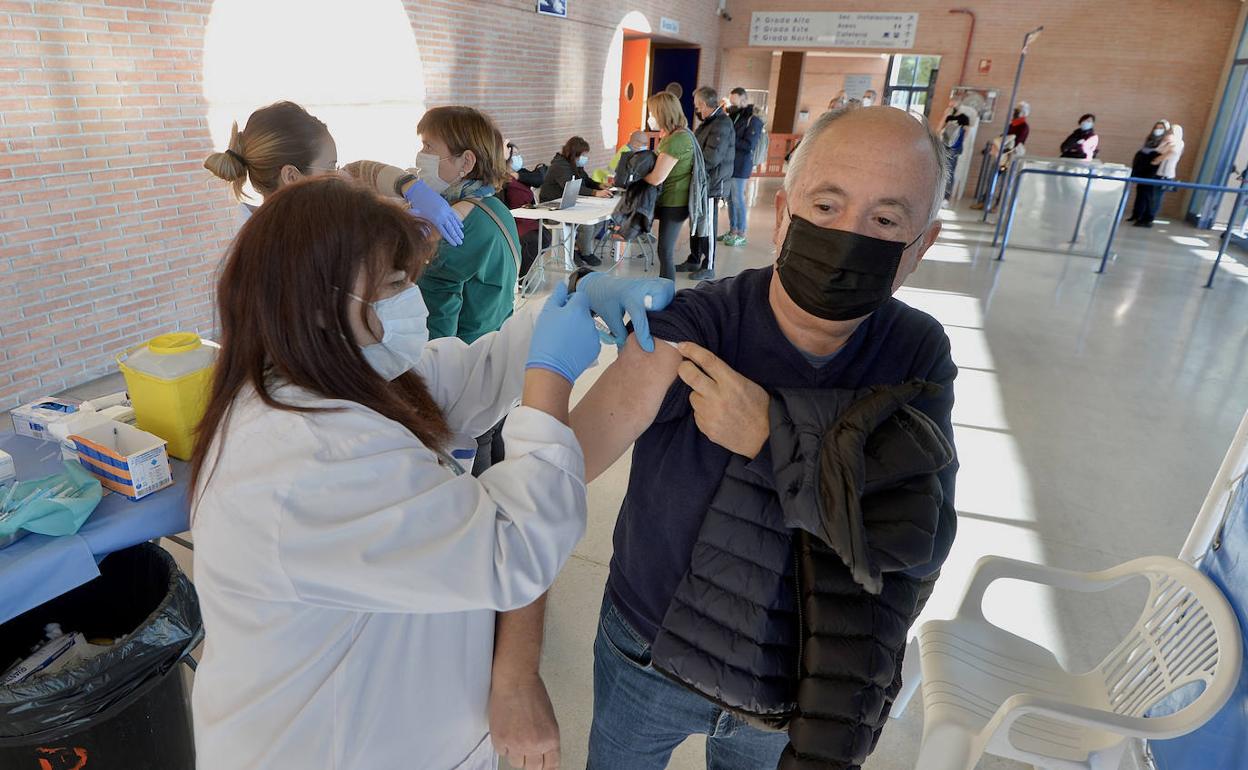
<point>681,171</point>
<point>283,143</point>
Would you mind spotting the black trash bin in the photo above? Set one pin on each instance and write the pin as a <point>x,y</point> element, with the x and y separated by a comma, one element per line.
<point>126,709</point>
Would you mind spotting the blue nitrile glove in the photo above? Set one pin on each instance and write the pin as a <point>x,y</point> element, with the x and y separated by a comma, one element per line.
<point>427,204</point>
<point>565,340</point>
<point>610,298</point>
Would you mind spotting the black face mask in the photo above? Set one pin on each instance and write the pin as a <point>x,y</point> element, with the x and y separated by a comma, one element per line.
<point>837,275</point>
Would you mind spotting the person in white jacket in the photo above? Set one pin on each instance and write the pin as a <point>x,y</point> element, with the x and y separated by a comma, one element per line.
<point>349,571</point>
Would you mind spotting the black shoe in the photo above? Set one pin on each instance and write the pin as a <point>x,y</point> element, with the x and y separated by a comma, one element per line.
<point>588,259</point>
<point>689,267</point>
<point>1131,218</point>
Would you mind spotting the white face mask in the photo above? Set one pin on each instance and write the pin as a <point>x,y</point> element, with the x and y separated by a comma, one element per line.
<point>404,332</point>
<point>1086,125</point>
<point>517,162</point>
<point>652,123</point>
<point>1158,131</point>
<point>867,101</point>
<point>428,164</point>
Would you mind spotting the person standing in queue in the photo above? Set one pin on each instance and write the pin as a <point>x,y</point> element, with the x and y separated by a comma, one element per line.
<point>1144,166</point>
<point>954,137</point>
<point>282,143</point>
<point>348,570</point>
<point>717,139</point>
<point>681,171</point>
<point>1083,143</point>
<point>748,128</point>
<point>568,164</point>
<point>1019,128</point>
<point>1167,163</point>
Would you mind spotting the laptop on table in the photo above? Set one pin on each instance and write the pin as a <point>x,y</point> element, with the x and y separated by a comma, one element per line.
<point>571,190</point>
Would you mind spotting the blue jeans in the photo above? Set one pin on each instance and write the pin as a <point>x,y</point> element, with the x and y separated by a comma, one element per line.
<point>641,716</point>
<point>736,206</point>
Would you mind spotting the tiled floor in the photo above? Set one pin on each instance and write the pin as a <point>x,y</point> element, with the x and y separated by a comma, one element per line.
<point>1092,413</point>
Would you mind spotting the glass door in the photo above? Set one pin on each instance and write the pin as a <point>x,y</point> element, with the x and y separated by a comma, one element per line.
<point>911,83</point>
<point>1225,159</point>
<point>1227,155</point>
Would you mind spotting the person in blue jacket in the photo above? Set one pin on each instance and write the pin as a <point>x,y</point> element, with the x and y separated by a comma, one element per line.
<point>748,127</point>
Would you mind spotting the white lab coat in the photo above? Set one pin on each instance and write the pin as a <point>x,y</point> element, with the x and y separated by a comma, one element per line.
<point>349,582</point>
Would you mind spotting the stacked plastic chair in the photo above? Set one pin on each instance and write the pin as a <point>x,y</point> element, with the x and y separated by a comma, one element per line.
<point>1178,672</point>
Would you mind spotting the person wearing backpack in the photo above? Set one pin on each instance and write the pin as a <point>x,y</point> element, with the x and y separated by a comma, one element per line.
<point>748,129</point>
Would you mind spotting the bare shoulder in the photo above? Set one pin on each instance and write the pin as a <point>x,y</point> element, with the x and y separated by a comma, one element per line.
<point>623,402</point>
<point>635,384</point>
<point>635,363</point>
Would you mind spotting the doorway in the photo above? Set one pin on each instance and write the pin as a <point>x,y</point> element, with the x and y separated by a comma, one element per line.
<point>676,64</point>
<point>634,87</point>
<point>1226,160</point>
<point>912,83</point>
<point>649,64</point>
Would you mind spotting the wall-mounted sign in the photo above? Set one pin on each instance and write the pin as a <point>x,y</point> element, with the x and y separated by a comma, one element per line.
<point>833,30</point>
<point>857,85</point>
<point>669,26</point>
<point>985,66</point>
<point>553,8</point>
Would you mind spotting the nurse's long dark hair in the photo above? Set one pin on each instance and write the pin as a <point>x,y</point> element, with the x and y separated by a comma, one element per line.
<point>283,318</point>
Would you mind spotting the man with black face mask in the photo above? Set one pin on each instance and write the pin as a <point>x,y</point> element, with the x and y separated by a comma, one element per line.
<point>709,502</point>
<point>718,141</point>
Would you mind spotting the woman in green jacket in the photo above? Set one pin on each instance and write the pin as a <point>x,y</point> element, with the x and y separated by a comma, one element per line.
<point>469,288</point>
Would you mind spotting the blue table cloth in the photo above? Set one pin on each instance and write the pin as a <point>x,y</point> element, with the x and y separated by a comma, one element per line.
<point>1222,742</point>
<point>38,568</point>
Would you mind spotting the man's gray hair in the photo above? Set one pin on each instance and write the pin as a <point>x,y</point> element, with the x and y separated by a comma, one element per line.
<point>939,155</point>
<point>708,95</point>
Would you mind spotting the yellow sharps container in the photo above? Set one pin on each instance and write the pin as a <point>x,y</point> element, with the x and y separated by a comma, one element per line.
<point>170,378</point>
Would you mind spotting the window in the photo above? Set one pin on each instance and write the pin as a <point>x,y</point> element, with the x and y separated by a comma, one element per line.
<point>911,80</point>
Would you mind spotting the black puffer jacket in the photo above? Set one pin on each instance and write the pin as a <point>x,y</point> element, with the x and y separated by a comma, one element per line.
<point>869,476</point>
<point>635,211</point>
<point>854,477</point>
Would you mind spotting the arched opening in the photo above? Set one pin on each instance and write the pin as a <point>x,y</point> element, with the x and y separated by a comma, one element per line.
<point>357,68</point>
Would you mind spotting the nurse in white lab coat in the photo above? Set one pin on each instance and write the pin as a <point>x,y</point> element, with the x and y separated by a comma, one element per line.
<point>348,572</point>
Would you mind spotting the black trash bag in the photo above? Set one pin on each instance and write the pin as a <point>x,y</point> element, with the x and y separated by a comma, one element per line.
<point>142,600</point>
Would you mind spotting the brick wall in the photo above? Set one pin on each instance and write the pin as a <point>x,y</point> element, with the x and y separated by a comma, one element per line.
<point>823,77</point>
<point>1128,61</point>
<point>747,68</point>
<point>111,231</point>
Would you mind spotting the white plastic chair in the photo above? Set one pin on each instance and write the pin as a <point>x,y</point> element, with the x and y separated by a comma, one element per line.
<point>986,690</point>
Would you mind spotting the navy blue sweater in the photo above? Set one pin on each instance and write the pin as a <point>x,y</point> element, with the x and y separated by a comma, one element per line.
<point>676,470</point>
